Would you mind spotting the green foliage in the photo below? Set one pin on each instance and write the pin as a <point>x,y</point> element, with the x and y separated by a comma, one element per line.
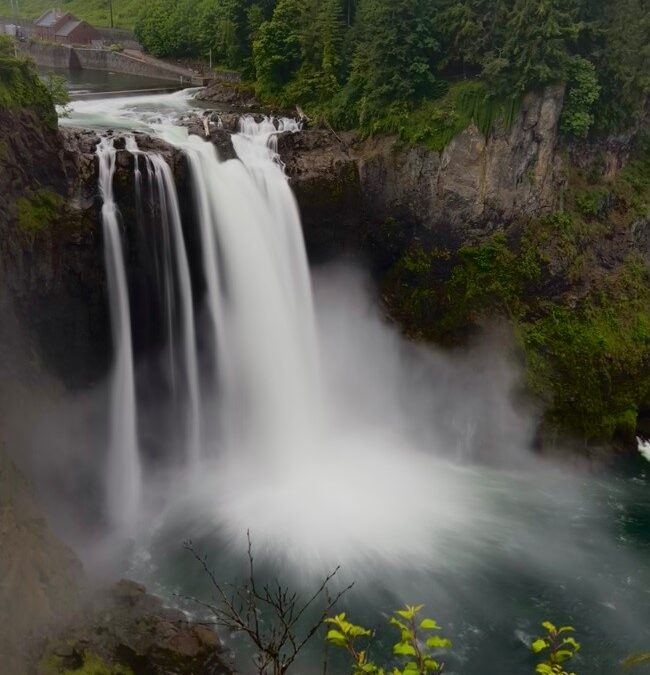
<point>393,60</point>
<point>56,87</point>
<point>558,646</point>
<point>620,49</point>
<point>536,47</point>
<point>38,212</point>
<point>437,122</point>
<point>582,94</point>
<point>417,643</point>
<point>169,27</point>
<point>278,48</point>
<point>421,68</point>
<point>591,203</point>
<point>591,363</point>
<point>588,360</point>
<point>96,12</point>
<point>20,86</point>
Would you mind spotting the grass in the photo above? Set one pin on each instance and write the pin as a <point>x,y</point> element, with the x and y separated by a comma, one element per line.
<point>96,12</point>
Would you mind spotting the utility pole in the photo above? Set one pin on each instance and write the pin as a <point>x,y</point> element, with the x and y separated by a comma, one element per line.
<point>110,7</point>
<point>14,8</point>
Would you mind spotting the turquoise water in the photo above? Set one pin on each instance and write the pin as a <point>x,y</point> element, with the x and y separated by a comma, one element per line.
<point>570,548</point>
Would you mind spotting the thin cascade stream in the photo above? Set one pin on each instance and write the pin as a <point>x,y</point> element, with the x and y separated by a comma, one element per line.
<point>176,281</point>
<point>124,471</point>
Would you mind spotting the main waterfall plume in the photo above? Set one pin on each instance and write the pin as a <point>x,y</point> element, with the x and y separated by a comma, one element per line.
<point>258,293</point>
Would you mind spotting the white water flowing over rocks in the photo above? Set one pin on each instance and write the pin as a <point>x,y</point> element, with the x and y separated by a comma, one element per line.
<point>644,447</point>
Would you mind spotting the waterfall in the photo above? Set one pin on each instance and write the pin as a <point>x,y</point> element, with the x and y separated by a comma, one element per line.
<point>171,225</point>
<point>258,296</point>
<point>123,471</point>
<point>266,386</point>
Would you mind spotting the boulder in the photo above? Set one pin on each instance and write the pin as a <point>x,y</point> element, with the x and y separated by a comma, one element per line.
<point>126,630</point>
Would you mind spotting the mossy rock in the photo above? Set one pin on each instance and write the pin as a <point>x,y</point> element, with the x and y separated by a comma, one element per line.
<point>79,663</point>
<point>39,211</point>
<point>587,356</point>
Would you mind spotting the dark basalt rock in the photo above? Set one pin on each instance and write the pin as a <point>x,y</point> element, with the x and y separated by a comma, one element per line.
<point>125,626</point>
<point>49,245</point>
<point>229,94</point>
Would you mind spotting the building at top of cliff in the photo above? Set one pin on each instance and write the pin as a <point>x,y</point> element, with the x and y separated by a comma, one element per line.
<point>65,28</point>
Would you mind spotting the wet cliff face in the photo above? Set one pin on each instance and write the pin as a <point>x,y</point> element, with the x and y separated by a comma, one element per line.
<point>348,188</point>
<point>373,198</point>
<point>49,244</point>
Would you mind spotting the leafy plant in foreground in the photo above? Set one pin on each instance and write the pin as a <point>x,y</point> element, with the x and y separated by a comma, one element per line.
<point>416,643</point>
<point>558,648</point>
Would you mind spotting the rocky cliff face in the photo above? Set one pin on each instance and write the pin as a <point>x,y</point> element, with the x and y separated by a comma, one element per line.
<point>474,182</point>
<point>49,244</point>
<point>370,197</point>
<point>473,186</point>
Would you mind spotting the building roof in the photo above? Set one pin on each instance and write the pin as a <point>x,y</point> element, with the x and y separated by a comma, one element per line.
<point>68,27</point>
<point>49,18</point>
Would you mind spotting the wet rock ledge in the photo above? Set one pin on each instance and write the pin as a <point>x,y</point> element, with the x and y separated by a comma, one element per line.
<point>126,631</point>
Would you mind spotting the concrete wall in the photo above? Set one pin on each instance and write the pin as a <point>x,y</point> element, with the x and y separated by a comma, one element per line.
<point>50,55</point>
<point>101,59</point>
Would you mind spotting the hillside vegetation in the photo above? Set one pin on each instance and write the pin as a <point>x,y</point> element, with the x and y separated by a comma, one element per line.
<point>95,12</point>
<point>377,64</point>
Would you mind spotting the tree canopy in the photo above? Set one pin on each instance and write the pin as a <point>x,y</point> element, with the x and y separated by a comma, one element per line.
<point>359,61</point>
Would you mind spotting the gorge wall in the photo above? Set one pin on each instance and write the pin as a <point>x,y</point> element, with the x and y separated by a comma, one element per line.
<point>375,199</point>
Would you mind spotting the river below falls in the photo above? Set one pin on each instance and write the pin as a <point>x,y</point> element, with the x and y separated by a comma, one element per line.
<point>420,481</point>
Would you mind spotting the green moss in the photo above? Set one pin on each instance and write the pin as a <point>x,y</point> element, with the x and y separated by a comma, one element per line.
<point>91,664</point>
<point>591,363</point>
<point>588,360</point>
<point>39,211</point>
<point>433,122</point>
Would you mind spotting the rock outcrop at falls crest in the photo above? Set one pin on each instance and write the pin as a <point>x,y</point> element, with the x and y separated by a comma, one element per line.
<point>474,185</point>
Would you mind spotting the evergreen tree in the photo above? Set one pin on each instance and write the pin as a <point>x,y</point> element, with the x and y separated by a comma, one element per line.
<point>277,51</point>
<point>470,29</point>
<point>538,46</point>
<point>168,27</point>
<point>623,60</point>
<point>394,58</point>
<point>224,29</point>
